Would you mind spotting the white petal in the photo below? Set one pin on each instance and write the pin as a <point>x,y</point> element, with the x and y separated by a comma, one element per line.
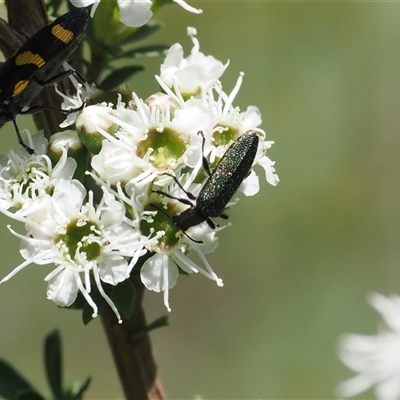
<point>193,119</point>
<point>39,205</point>
<point>172,59</point>
<point>83,3</point>
<point>198,71</point>
<point>388,308</point>
<point>389,389</point>
<point>113,211</point>
<point>39,143</point>
<point>156,269</point>
<point>251,118</point>
<point>115,163</point>
<point>63,289</point>
<point>270,175</point>
<point>134,12</point>
<point>40,255</point>
<point>126,240</point>
<point>69,195</point>
<point>65,171</point>
<point>251,185</point>
<point>113,270</point>
<point>355,351</point>
<point>354,386</point>
<point>376,358</point>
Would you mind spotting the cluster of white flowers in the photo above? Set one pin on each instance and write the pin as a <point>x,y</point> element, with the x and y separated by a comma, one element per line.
<point>376,358</point>
<point>138,150</point>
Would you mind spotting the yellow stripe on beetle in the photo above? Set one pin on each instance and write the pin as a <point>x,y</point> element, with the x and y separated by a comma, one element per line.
<point>27,57</point>
<point>62,34</point>
<point>19,87</point>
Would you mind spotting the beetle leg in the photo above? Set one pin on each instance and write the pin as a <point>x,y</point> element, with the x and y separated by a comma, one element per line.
<point>188,194</point>
<point>20,140</point>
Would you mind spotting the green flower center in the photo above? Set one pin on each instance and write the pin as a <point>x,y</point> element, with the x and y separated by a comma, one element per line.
<point>168,146</point>
<point>228,135</point>
<point>76,240</point>
<point>162,221</point>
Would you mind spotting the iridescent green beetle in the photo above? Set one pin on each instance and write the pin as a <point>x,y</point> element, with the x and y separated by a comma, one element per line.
<point>222,183</point>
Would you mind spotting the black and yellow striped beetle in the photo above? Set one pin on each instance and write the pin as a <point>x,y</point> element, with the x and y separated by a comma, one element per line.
<point>35,65</point>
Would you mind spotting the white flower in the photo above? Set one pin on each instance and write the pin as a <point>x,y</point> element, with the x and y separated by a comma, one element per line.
<point>133,12</point>
<point>151,141</point>
<point>193,74</point>
<point>83,241</point>
<point>160,272</point>
<point>375,358</point>
<point>26,178</point>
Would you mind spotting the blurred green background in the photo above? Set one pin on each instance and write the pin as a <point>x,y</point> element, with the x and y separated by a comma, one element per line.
<point>300,258</point>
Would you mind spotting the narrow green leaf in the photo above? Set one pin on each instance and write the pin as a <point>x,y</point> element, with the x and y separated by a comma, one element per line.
<point>54,4</point>
<point>79,391</point>
<point>11,382</point>
<point>120,76</point>
<point>157,4</point>
<point>140,33</point>
<point>155,50</point>
<point>29,395</point>
<point>124,295</point>
<point>104,48</point>
<point>53,363</point>
<point>158,323</point>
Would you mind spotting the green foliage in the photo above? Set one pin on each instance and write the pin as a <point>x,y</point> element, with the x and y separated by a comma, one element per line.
<point>14,386</point>
<point>131,35</point>
<point>157,4</point>
<point>110,41</point>
<point>119,76</point>
<point>124,295</point>
<point>53,6</point>
<point>156,324</point>
<point>155,50</point>
<point>53,363</point>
